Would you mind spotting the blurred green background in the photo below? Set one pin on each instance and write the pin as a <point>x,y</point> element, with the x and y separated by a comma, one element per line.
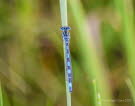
<point>102,50</point>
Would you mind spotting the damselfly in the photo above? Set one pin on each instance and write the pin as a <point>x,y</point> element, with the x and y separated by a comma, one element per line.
<point>68,65</point>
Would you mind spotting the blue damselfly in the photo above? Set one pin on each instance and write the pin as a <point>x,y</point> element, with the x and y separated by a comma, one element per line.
<point>68,65</point>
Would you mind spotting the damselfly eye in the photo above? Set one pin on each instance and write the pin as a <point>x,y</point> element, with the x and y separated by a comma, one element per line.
<point>65,28</point>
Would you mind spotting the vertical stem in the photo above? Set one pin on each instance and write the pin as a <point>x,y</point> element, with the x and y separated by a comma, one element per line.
<point>68,94</point>
<point>99,103</point>
<point>95,92</point>
<point>1,96</point>
<point>131,88</point>
<point>64,20</point>
<point>97,98</point>
<point>63,8</point>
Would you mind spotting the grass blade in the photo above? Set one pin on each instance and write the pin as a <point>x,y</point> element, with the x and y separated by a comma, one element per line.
<point>63,8</point>
<point>1,96</point>
<point>131,88</point>
<point>91,60</point>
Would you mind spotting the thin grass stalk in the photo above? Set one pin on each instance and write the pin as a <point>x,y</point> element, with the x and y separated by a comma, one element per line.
<point>125,10</point>
<point>63,9</point>
<point>131,88</point>
<point>1,96</point>
<point>98,101</point>
<point>64,20</point>
<point>68,94</point>
<point>90,59</point>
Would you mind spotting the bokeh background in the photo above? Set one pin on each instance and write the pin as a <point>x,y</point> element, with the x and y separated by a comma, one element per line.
<point>102,50</point>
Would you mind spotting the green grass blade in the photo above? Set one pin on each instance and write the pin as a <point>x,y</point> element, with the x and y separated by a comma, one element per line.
<point>1,96</point>
<point>90,59</point>
<point>131,88</point>
<point>98,101</point>
<point>64,20</point>
<point>63,8</point>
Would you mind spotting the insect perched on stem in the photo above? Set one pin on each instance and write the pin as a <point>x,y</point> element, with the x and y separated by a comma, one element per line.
<point>68,65</point>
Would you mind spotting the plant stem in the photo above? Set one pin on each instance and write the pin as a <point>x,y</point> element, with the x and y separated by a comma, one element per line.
<point>68,94</point>
<point>64,20</point>
<point>131,88</point>
<point>1,96</point>
<point>98,101</point>
<point>63,8</point>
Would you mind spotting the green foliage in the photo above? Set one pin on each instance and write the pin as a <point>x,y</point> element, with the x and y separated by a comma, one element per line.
<point>31,52</point>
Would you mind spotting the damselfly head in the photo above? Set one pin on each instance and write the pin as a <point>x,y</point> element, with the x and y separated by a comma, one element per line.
<point>65,28</point>
<point>65,33</point>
